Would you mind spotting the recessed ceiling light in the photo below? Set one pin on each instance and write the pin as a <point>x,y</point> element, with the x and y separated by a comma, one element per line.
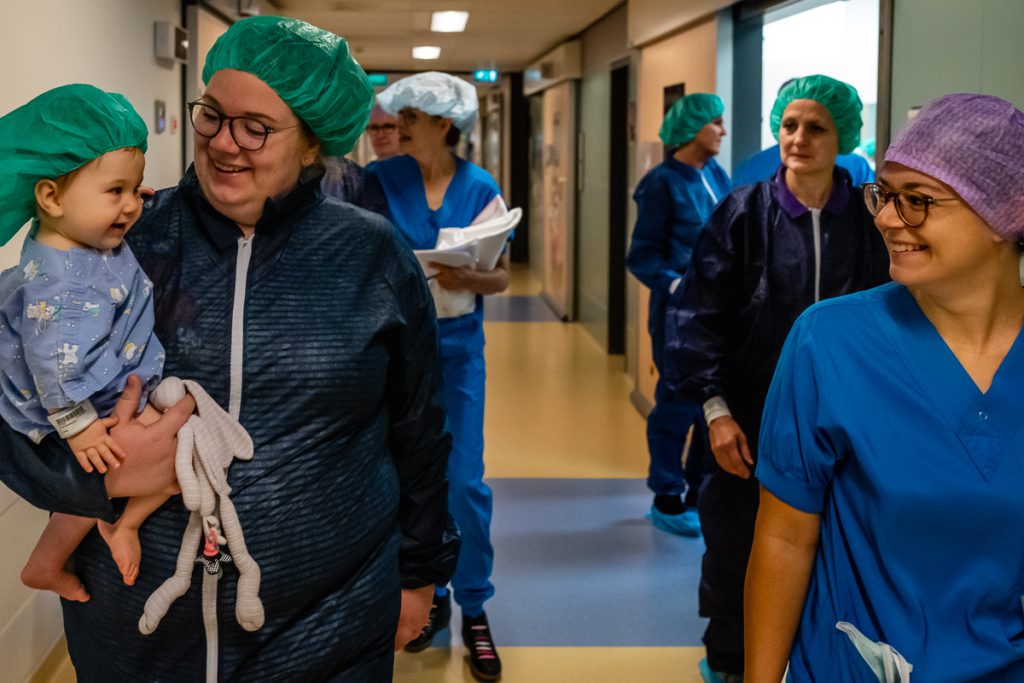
<point>426,52</point>
<point>448,22</point>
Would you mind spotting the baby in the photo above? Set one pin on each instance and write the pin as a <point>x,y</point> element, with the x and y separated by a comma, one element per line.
<point>76,314</point>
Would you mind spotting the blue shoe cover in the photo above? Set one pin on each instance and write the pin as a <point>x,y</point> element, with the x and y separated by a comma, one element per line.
<point>685,524</point>
<point>707,675</point>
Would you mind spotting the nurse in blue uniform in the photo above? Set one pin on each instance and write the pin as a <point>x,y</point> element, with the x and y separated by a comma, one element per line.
<point>429,188</point>
<point>673,201</point>
<point>889,541</point>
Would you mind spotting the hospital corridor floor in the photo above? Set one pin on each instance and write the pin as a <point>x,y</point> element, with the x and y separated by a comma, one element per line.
<point>587,589</point>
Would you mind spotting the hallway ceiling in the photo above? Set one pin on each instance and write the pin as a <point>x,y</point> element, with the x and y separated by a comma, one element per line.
<point>501,34</point>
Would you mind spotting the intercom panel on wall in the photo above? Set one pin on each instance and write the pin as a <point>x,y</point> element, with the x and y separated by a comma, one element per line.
<point>170,42</point>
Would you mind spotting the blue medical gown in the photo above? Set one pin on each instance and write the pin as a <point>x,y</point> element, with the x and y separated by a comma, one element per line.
<point>872,423</point>
<point>762,166</point>
<point>672,206</point>
<point>462,343</point>
<point>73,325</point>
<point>673,203</point>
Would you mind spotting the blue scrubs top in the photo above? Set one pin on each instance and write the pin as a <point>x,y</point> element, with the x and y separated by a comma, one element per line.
<point>872,423</point>
<point>673,201</point>
<point>762,166</point>
<point>470,191</point>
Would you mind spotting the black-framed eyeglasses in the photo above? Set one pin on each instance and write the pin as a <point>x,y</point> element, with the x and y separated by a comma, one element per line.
<point>248,133</point>
<point>381,128</point>
<point>911,207</point>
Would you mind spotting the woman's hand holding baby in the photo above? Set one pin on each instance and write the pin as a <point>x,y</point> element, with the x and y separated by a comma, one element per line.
<point>148,465</point>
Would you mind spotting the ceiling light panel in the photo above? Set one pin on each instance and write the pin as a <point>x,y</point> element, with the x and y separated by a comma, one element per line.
<point>448,22</point>
<point>426,52</point>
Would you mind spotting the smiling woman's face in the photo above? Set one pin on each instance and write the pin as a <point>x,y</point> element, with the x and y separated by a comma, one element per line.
<point>238,182</point>
<point>952,245</point>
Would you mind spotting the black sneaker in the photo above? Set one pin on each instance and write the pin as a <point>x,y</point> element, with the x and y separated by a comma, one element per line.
<point>440,617</point>
<point>484,662</point>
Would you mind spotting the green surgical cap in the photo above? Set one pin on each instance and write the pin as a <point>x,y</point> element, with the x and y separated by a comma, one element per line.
<point>61,130</point>
<point>687,116</point>
<point>839,98</point>
<point>309,68</point>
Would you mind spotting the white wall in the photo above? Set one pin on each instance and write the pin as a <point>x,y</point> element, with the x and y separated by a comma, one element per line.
<point>108,43</point>
<point>43,44</point>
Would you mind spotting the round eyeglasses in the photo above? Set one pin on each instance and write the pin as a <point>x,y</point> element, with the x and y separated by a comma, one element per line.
<point>911,207</point>
<point>248,133</point>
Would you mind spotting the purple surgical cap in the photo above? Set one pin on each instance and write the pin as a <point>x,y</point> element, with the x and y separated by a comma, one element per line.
<point>974,144</point>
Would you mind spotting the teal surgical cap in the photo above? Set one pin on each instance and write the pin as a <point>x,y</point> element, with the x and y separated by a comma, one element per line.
<point>434,93</point>
<point>687,116</point>
<point>61,130</point>
<point>309,68</point>
<point>839,98</point>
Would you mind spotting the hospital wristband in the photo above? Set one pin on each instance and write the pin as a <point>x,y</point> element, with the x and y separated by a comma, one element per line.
<point>73,420</point>
<point>714,408</point>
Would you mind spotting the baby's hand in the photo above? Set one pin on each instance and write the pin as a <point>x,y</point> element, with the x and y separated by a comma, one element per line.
<point>93,446</point>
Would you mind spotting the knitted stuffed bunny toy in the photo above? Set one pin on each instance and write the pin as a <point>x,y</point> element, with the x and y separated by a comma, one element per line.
<point>207,445</point>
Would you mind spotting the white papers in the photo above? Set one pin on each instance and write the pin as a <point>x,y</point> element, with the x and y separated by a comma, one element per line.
<point>454,257</point>
<point>478,246</point>
<point>494,209</point>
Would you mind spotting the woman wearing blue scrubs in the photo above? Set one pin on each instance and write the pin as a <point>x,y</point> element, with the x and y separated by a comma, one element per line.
<point>673,201</point>
<point>890,536</point>
<point>429,188</point>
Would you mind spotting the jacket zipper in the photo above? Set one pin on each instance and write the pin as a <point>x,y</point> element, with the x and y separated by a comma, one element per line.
<point>210,583</point>
<point>238,324</point>
<point>816,226</point>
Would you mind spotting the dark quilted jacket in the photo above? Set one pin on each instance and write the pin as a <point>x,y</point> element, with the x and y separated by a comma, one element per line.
<point>346,497</point>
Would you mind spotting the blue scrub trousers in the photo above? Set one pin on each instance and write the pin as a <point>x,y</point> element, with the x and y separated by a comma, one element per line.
<point>469,499</point>
<point>667,426</point>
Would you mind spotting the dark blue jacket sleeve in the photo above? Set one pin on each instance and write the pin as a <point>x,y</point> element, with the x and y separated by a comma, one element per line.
<point>700,314</point>
<point>375,198</point>
<point>419,438</point>
<point>48,476</point>
<point>649,250</point>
